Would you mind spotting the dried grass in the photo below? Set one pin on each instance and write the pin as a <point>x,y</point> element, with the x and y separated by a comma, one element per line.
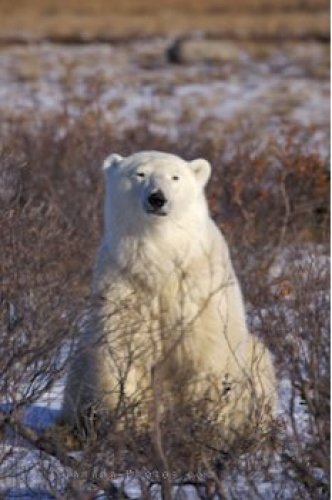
<point>82,21</point>
<point>269,203</point>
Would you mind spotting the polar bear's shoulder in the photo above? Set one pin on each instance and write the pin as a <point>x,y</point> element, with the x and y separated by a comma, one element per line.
<point>102,268</point>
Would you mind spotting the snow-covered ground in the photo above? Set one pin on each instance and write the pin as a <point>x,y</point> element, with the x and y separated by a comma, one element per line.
<point>133,84</point>
<point>23,470</point>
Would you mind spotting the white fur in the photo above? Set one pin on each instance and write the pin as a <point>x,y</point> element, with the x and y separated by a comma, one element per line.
<point>165,295</point>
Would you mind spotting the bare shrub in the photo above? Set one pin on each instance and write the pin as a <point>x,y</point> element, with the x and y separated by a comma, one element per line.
<point>270,203</point>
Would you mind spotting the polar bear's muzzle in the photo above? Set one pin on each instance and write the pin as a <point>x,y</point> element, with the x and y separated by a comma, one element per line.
<point>155,203</point>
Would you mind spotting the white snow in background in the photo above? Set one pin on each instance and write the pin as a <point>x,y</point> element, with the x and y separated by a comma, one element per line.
<point>47,79</point>
<point>309,260</point>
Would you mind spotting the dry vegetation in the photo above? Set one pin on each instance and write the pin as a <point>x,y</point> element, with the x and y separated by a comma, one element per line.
<point>268,204</point>
<point>77,20</point>
<point>269,195</point>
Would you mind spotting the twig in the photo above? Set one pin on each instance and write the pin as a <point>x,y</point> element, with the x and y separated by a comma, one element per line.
<point>157,438</point>
<point>47,445</point>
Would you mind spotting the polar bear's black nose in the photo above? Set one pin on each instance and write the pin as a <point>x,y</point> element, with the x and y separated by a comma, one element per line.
<point>157,199</point>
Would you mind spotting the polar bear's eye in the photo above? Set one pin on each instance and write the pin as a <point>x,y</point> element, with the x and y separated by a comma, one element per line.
<point>175,177</point>
<point>140,174</point>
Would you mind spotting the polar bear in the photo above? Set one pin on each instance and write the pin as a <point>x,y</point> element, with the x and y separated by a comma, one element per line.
<point>166,303</point>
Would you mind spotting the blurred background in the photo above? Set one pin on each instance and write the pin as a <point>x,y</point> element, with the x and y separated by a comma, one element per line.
<point>110,19</point>
<point>186,65</point>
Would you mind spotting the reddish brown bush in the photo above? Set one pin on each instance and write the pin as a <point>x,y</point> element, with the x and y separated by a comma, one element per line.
<point>269,203</point>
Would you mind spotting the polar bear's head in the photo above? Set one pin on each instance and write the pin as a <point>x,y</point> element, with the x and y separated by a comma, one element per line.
<point>152,187</point>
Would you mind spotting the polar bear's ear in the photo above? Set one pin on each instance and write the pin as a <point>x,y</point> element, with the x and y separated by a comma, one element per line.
<point>201,169</point>
<point>111,161</point>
